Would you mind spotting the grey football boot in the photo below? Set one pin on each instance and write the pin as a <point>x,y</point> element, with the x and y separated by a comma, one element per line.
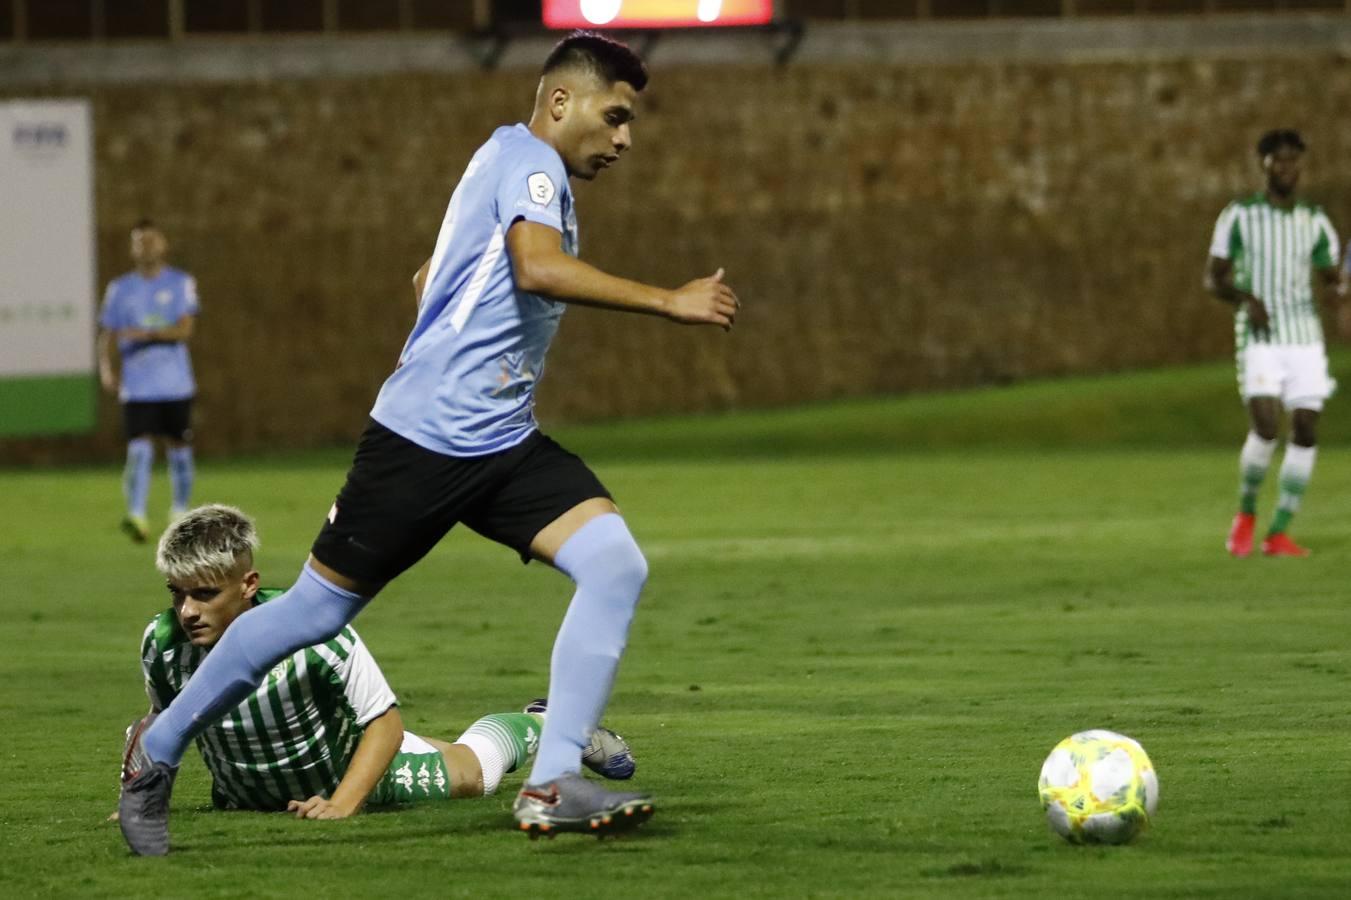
<point>571,803</point>
<point>143,808</point>
<point>608,754</point>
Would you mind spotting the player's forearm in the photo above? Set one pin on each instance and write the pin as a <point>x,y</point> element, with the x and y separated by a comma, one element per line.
<point>1222,287</point>
<point>174,333</point>
<point>104,346</point>
<point>376,749</point>
<point>1218,278</point>
<point>169,334</point>
<point>565,278</point>
<point>1233,296</point>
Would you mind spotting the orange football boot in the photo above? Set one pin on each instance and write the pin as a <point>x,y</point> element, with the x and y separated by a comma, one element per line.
<point>1240,535</point>
<point>1279,544</point>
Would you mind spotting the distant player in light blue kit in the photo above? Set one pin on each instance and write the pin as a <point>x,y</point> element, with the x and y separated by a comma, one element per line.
<point>148,314</point>
<point>453,438</point>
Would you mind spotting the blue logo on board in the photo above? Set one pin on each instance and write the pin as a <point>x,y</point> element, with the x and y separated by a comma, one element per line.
<point>40,135</point>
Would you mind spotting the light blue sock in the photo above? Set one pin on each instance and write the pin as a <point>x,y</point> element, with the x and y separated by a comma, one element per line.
<point>311,612</point>
<point>609,569</point>
<point>136,475</point>
<point>180,476</point>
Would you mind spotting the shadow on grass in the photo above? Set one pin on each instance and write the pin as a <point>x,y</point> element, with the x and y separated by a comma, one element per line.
<point>390,826</point>
<point>990,868</point>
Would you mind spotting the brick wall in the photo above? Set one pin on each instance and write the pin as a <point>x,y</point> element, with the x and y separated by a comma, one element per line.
<point>890,228</point>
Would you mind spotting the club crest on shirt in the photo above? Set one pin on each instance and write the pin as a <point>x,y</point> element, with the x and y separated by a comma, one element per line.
<point>541,188</point>
<point>164,298</point>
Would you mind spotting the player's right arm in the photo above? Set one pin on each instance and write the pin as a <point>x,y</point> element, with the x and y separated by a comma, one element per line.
<point>152,671</point>
<point>156,641</point>
<point>107,339</point>
<point>540,266</point>
<point>107,368</point>
<point>1219,274</point>
<point>1219,280</point>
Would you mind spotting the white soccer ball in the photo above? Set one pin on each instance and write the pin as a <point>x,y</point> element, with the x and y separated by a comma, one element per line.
<point>1098,787</point>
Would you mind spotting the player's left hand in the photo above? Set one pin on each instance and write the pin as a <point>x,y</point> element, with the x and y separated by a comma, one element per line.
<point>317,808</point>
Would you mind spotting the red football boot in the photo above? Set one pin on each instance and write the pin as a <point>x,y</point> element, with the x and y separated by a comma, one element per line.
<point>1240,535</point>
<point>1280,545</point>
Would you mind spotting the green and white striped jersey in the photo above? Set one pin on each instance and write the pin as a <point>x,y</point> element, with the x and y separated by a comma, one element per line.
<point>294,736</point>
<point>1274,252</point>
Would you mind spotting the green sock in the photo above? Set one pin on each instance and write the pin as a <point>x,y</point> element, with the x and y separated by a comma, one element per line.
<point>1250,484</point>
<point>514,735</point>
<point>1247,500</point>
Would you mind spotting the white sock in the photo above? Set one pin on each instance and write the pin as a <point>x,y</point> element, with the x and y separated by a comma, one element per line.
<point>1296,470</point>
<point>1257,451</point>
<point>489,759</point>
<point>1253,462</point>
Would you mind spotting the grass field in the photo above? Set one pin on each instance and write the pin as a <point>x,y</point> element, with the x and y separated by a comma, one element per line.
<point>866,625</point>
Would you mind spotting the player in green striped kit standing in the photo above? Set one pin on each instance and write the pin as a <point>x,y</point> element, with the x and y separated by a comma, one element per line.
<point>322,736</point>
<point>1264,255</point>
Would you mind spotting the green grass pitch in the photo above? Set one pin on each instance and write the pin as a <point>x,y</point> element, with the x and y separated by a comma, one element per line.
<point>865,627</point>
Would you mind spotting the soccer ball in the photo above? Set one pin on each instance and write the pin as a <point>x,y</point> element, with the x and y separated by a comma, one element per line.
<point>1098,787</point>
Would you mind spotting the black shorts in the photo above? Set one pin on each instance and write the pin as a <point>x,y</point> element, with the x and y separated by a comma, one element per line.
<point>400,499</point>
<point>165,418</point>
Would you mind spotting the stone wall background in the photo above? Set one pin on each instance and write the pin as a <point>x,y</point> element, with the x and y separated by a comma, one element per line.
<point>890,228</point>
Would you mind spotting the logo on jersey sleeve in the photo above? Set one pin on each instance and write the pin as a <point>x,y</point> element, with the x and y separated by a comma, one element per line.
<point>541,188</point>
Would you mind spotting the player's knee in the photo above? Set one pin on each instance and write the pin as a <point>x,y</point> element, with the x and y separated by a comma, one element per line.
<point>1265,428</point>
<point>631,565</point>
<point>269,633</point>
<point>311,612</point>
<point>619,566</point>
<point>604,555</point>
<point>1304,427</point>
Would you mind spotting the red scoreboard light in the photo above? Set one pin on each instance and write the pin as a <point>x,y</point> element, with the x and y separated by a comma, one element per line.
<point>656,13</point>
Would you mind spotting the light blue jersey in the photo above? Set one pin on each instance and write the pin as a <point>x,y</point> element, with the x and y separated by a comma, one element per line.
<point>465,383</point>
<point>152,371</point>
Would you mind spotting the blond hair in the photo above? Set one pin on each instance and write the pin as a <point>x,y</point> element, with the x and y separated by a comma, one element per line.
<point>208,541</point>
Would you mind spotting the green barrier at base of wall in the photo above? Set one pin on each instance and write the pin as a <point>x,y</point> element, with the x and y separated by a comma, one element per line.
<point>47,404</point>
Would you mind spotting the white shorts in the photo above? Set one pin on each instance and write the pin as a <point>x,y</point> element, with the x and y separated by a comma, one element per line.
<point>1297,374</point>
<point>413,744</point>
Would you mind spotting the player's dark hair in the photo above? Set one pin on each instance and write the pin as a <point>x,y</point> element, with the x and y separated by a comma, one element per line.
<point>143,223</point>
<point>1277,138</point>
<point>603,57</point>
